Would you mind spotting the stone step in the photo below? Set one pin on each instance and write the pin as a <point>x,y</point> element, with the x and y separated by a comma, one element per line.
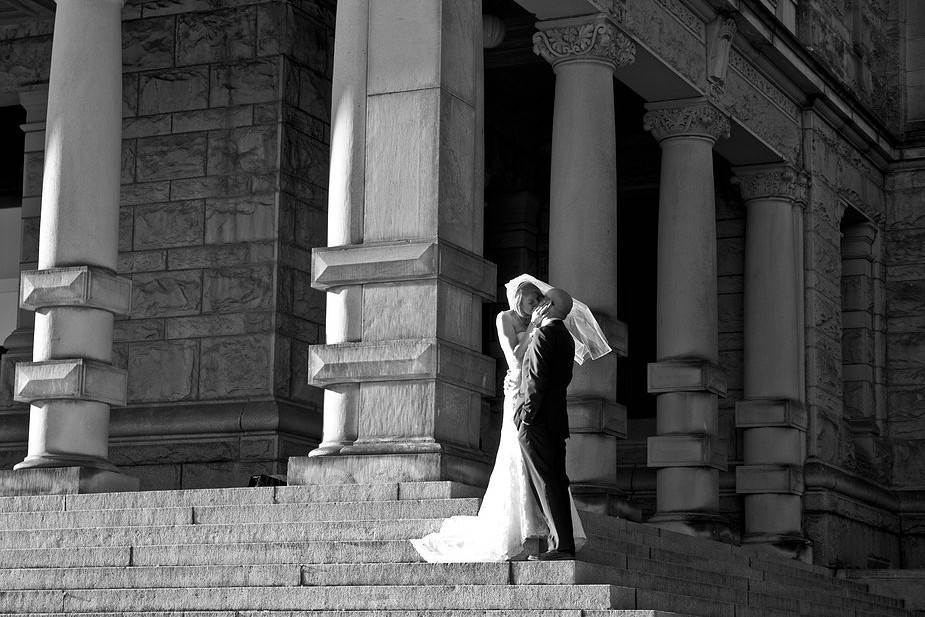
<point>688,605</point>
<point>285,575</point>
<point>354,552</point>
<point>313,531</point>
<point>241,496</point>
<point>247,553</point>
<point>337,511</point>
<point>662,568</point>
<point>830,595</point>
<point>395,613</point>
<point>485,597</point>
<point>288,575</point>
<point>69,557</point>
<point>240,514</point>
<point>833,598</point>
<point>812,599</point>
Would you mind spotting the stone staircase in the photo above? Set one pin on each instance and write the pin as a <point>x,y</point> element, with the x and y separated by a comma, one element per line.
<point>343,550</point>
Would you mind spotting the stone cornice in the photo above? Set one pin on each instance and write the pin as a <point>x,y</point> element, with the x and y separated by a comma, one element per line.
<point>595,39</point>
<point>697,118</point>
<point>772,181</point>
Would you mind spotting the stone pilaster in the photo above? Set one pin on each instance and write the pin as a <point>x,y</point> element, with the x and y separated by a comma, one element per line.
<point>584,53</point>
<point>71,382</point>
<point>858,347</point>
<point>402,368</point>
<point>772,416</point>
<point>687,451</point>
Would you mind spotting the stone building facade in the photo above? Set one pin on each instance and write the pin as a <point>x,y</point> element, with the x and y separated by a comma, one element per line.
<point>316,235</point>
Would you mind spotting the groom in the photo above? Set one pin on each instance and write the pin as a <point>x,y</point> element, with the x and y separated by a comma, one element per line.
<point>542,419</point>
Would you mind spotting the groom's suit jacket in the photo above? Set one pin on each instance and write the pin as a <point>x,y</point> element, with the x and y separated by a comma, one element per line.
<point>545,376</point>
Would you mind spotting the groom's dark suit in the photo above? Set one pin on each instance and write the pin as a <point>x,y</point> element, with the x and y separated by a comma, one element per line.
<point>542,422</point>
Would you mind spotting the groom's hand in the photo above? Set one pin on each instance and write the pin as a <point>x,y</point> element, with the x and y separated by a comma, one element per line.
<point>539,313</point>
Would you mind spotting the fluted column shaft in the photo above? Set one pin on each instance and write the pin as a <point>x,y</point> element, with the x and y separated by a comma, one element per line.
<point>772,415</point>
<point>346,190</point>
<point>584,53</point>
<point>686,451</point>
<point>71,382</point>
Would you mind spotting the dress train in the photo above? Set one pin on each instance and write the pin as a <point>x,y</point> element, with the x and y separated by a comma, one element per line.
<point>509,514</point>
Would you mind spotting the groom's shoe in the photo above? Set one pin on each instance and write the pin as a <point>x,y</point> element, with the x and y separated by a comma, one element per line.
<point>553,555</point>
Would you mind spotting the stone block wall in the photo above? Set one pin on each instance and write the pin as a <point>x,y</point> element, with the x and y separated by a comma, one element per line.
<point>905,245</point>
<point>860,42</point>
<point>848,435</point>
<point>224,173</point>
<point>730,269</point>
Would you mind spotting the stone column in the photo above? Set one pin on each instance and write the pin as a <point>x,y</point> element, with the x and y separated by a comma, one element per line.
<point>409,349</point>
<point>584,53</point>
<point>71,382</point>
<point>772,415</point>
<point>345,208</point>
<point>687,451</point>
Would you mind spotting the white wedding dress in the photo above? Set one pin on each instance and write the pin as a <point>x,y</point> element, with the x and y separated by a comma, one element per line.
<point>510,513</point>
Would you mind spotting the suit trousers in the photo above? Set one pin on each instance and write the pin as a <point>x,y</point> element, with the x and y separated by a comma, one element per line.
<point>544,455</point>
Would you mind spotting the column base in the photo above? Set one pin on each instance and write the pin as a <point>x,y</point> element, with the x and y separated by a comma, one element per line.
<point>788,546</point>
<point>328,449</point>
<point>697,524</point>
<point>64,481</point>
<point>605,499</point>
<point>346,468</point>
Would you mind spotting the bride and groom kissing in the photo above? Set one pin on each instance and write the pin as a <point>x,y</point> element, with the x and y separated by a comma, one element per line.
<point>542,333</point>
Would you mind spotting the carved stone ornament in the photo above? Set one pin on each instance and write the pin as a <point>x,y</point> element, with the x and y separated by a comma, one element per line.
<point>722,31</point>
<point>616,9</point>
<point>700,119</point>
<point>772,181</point>
<point>598,40</point>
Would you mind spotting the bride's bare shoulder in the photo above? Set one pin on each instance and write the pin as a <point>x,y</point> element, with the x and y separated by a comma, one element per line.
<point>508,321</point>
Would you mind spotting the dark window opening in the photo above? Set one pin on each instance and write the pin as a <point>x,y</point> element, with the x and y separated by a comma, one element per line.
<point>11,155</point>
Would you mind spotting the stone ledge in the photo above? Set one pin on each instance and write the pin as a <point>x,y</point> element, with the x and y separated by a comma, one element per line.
<point>78,379</point>
<point>83,286</point>
<point>400,467</point>
<point>760,413</point>
<point>64,481</point>
<point>686,451</point>
<point>783,479</point>
<point>400,360</point>
<point>686,376</point>
<point>402,261</point>
<point>595,415</point>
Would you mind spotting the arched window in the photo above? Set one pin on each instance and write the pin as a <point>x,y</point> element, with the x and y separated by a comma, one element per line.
<point>860,316</point>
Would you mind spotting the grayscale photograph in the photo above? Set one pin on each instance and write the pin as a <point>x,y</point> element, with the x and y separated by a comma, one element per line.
<point>462,308</point>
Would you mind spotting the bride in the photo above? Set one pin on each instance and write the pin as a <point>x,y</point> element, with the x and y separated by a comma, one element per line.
<point>510,513</point>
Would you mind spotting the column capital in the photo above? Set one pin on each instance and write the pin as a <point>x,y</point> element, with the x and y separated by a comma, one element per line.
<point>857,240</point>
<point>595,38</point>
<point>686,118</point>
<point>772,182</point>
